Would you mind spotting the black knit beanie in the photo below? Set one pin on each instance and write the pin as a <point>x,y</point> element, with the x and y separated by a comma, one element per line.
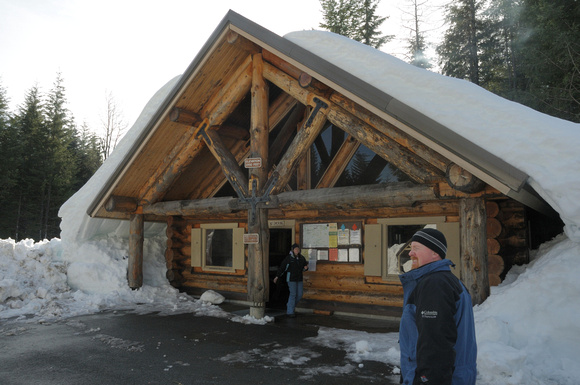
<point>433,239</point>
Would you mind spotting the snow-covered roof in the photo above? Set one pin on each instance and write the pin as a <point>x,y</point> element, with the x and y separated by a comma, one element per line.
<point>515,149</point>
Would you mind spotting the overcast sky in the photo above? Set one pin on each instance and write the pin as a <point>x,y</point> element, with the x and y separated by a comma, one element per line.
<point>131,48</point>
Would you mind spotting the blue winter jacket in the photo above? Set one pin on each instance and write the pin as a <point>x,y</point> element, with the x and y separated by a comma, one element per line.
<point>437,331</point>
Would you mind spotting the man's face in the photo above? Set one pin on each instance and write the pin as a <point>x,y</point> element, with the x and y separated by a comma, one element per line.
<point>421,255</point>
<point>296,250</point>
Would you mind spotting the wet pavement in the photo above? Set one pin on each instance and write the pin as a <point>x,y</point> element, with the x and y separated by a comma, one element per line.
<point>127,348</point>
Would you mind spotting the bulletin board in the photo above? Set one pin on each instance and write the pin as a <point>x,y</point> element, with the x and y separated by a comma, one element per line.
<point>332,241</point>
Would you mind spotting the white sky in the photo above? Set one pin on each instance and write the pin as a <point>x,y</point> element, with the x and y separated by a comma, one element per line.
<point>131,48</point>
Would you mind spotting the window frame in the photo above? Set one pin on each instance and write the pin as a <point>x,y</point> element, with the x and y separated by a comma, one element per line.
<point>199,242</point>
<point>378,264</point>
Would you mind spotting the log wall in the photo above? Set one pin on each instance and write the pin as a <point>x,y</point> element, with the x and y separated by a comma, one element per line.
<point>507,238</point>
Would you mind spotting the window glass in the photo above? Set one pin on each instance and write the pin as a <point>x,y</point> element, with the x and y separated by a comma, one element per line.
<point>323,150</point>
<point>218,247</point>
<point>399,245</point>
<point>366,167</point>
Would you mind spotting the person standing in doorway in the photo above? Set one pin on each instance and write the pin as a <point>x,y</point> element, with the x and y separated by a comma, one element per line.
<point>437,330</point>
<point>293,266</point>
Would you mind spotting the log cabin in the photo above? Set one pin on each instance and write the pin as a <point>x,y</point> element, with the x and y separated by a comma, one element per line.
<point>262,143</point>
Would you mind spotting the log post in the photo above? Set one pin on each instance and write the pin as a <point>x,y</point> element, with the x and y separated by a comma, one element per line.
<point>258,279</point>
<point>136,238</point>
<point>474,269</point>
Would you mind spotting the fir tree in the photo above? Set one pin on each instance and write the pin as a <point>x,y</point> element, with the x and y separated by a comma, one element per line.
<point>550,54</point>
<point>59,167</point>
<point>8,146</point>
<point>356,20</point>
<point>459,52</point>
<point>368,31</point>
<point>19,219</point>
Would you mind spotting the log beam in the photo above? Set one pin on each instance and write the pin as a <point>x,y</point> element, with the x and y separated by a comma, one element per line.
<point>401,194</point>
<point>415,167</point>
<point>215,181</point>
<point>121,204</point>
<point>215,112</point>
<point>462,180</point>
<point>386,128</point>
<point>135,263</point>
<point>339,162</point>
<point>227,161</point>
<point>182,116</point>
<point>474,264</point>
<point>301,143</point>
<point>258,280</point>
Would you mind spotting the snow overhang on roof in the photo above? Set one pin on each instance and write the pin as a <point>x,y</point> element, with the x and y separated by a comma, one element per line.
<point>499,174</point>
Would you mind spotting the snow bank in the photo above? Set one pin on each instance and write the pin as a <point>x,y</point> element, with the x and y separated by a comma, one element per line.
<point>528,329</point>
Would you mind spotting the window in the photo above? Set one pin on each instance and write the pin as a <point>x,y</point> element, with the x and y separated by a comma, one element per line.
<point>387,244</point>
<point>218,247</point>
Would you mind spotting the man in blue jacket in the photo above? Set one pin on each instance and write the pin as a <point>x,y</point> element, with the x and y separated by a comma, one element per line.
<point>437,331</point>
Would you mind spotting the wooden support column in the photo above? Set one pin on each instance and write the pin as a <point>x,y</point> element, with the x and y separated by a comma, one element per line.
<point>258,264</point>
<point>136,238</point>
<point>474,274</point>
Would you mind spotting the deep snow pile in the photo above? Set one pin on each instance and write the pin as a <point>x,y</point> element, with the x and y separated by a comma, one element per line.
<point>38,285</point>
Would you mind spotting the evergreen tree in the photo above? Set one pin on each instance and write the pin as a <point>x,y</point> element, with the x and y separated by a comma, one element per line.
<point>502,56</point>
<point>87,153</point>
<point>339,16</point>
<point>459,51</point>
<point>368,31</point>
<point>21,209</point>
<point>354,19</point>
<point>59,166</point>
<point>550,52</point>
<point>8,157</point>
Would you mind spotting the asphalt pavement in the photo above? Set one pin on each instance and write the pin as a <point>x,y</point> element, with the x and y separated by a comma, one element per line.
<point>126,348</point>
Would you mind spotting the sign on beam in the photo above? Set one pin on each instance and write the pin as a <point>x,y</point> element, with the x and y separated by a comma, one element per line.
<point>253,162</point>
<point>251,238</point>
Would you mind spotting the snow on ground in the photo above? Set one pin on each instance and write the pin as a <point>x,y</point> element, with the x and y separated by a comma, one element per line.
<point>527,330</point>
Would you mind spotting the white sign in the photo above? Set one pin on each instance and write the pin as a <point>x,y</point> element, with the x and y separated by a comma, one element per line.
<point>253,162</point>
<point>251,238</point>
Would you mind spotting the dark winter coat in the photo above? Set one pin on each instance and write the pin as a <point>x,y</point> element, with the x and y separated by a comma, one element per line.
<point>437,331</point>
<point>293,266</point>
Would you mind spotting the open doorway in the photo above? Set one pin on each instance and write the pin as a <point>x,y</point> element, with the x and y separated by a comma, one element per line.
<point>280,242</point>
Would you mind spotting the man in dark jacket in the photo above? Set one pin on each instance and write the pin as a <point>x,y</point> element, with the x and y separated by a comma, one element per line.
<point>293,266</point>
<point>437,331</point>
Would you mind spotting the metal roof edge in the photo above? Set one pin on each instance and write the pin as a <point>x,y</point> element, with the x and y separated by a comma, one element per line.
<point>529,197</point>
